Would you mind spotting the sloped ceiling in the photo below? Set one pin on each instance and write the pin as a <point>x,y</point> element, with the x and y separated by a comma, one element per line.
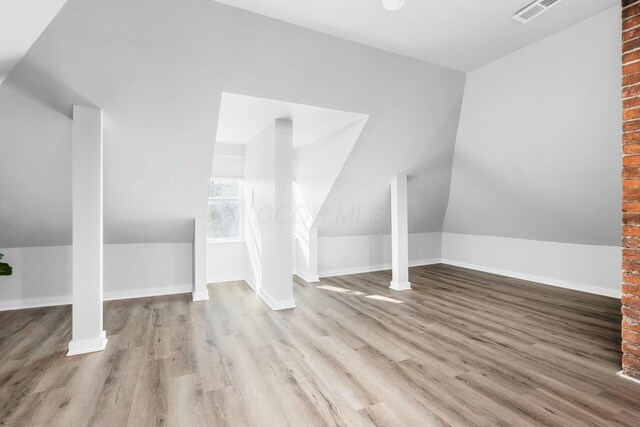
<point>243,117</point>
<point>538,149</point>
<point>21,23</point>
<point>157,69</point>
<point>460,34</point>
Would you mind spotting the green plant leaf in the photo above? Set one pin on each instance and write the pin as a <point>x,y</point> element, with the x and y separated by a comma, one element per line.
<point>5,269</point>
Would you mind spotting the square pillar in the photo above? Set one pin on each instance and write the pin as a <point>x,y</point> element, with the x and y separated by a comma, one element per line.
<point>399,234</point>
<point>313,256</point>
<point>269,174</point>
<point>279,286</point>
<point>87,333</point>
<point>200,291</point>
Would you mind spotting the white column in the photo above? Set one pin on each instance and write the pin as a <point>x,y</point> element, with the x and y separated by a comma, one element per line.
<point>200,291</point>
<point>313,256</point>
<point>87,333</point>
<point>280,288</point>
<point>399,234</point>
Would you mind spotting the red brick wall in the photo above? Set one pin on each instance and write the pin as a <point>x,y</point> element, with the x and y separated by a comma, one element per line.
<point>631,187</point>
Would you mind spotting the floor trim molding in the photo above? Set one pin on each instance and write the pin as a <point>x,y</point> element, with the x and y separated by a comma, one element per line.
<point>34,303</point>
<point>374,268</point>
<point>108,296</point>
<point>92,345</point>
<point>200,295</point>
<point>275,304</point>
<point>538,279</point>
<point>187,288</point>
<point>309,278</point>
<point>621,374</point>
<point>612,293</point>
<point>150,292</point>
<point>400,286</point>
<point>226,278</point>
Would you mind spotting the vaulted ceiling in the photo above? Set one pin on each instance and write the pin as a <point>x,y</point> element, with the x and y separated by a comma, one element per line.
<point>459,34</point>
<point>21,23</point>
<point>158,69</point>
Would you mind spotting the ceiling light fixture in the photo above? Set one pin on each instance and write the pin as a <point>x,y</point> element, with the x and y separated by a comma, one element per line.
<point>393,5</point>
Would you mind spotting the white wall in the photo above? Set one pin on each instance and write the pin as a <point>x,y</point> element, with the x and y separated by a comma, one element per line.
<point>42,275</point>
<point>537,155</point>
<point>132,270</point>
<point>538,150</point>
<point>226,261</point>
<point>356,254</point>
<point>228,161</point>
<point>587,268</point>
<point>160,84</point>
<point>535,191</point>
<point>317,166</point>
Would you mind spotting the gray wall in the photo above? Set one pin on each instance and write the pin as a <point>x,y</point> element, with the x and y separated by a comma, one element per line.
<point>157,68</point>
<point>538,151</point>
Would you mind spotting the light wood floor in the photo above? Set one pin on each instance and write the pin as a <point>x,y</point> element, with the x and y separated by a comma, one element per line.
<point>462,348</point>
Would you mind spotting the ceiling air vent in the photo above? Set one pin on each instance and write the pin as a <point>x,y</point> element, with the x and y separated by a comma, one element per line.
<point>534,9</point>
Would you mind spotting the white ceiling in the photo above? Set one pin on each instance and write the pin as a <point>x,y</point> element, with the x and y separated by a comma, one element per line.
<point>459,34</point>
<point>243,117</point>
<point>21,23</point>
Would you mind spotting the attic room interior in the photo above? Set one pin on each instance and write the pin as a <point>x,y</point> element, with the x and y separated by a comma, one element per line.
<point>337,212</point>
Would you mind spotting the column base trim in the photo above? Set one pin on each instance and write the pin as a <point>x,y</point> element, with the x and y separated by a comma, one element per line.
<point>627,377</point>
<point>400,286</point>
<point>202,295</point>
<point>309,278</point>
<point>275,304</point>
<point>92,345</point>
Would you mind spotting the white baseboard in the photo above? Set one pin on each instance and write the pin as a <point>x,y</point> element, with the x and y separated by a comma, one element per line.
<point>627,377</point>
<point>275,304</point>
<point>149,292</point>
<point>180,289</point>
<point>108,296</point>
<point>616,293</point>
<point>22,304</point>
<point>309,278</point>
<point>251,283</point>
<point>400,286</point>
<point>77,347</point>
<point>226,278</point>
<point>373,268</point>
<point>539,279</point>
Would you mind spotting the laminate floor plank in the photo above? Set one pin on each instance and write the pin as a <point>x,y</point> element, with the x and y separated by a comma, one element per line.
<point>462,348</point>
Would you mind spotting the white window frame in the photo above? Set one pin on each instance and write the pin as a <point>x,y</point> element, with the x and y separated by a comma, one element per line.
<point>240,238</point>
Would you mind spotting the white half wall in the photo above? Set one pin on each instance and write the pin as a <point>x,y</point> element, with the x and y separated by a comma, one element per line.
<point>338,255</point>
<point>199,258</point>
<point>147,269</point>
<point>42,275</point>
<point>587,268</point>
<point>226,261</point>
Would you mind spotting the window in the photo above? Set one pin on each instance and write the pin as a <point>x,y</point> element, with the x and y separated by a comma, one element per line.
<point>224,220</point>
